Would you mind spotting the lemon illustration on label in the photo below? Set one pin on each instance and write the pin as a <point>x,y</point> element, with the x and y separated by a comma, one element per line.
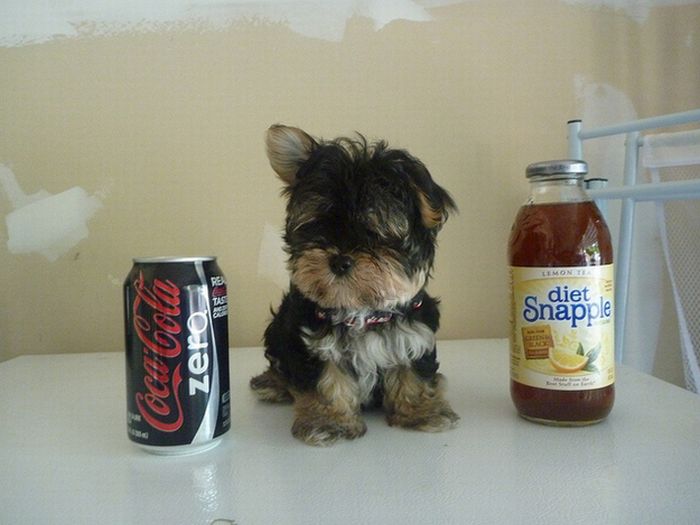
<point>565,362</point>
<point>568,362</point>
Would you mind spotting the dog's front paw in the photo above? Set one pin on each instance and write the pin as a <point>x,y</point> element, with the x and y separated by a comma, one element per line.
<point>321,430</point>
<point>416,403</point>
<point>434,419</point>
<point>271,386</point>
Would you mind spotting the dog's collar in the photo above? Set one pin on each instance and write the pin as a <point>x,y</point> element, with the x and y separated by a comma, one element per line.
<point>361,321</point>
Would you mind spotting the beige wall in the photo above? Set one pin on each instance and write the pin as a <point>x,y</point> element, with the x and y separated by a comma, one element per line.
<point>164,128</point>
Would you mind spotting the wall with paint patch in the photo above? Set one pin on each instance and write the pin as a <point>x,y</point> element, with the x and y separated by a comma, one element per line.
<point>129,131</point>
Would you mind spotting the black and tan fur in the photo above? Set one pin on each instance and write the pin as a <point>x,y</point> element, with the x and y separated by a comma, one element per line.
<point>357,327</point>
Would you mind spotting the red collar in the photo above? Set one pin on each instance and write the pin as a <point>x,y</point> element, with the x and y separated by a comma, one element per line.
<point>362,322</point>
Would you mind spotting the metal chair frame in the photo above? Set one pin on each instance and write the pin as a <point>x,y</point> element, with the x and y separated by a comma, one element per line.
<point>630,193</point>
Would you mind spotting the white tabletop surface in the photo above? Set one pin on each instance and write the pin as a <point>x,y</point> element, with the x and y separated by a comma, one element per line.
<point>65,457</point>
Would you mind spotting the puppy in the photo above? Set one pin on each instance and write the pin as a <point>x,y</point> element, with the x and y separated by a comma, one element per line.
<point>357,328</point>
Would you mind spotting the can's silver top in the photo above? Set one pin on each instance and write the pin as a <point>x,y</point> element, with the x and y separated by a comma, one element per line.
<point>172,259</point>
<point>566,167</point>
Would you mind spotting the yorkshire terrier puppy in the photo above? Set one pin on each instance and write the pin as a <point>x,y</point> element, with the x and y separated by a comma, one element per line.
<point>357,328</point>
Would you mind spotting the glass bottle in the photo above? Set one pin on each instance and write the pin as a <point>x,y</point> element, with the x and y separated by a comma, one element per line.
<point>562,293</point>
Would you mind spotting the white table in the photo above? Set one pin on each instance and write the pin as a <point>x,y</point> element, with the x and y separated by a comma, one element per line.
<point>65,457</point>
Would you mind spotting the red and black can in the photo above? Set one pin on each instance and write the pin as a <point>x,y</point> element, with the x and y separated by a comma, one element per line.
<point>177,374</point>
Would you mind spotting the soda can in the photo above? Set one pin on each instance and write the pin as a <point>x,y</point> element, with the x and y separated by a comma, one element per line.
<point>177,371</point>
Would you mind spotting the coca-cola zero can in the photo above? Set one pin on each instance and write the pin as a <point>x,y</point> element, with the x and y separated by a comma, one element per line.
<point>177,374</point>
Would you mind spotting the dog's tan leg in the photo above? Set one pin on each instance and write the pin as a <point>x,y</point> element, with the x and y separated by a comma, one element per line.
<point>330,412</point>
<point>271,386</point>
<point>416,403</point>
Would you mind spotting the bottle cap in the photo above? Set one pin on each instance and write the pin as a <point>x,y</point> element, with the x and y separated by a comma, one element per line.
<point>566,167</point>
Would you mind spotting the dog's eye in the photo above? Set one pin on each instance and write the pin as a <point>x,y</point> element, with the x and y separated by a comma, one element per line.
<point>308,233</point>
<point>387,226</point>
<point>301,224</point>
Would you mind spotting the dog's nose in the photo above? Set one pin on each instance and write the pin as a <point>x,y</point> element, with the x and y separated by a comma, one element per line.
<point>341,264</point>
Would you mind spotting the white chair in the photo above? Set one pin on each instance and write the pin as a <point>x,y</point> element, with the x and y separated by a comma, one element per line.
<point>672,161</point>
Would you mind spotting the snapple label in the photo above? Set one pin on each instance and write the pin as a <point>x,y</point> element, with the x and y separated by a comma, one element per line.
<point>563,327</point>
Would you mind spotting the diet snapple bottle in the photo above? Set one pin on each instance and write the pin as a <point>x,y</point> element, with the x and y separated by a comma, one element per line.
<point>562,311</point>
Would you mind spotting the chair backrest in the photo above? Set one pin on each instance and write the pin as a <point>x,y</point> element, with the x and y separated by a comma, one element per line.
<point>675,157</point>
<point>663,155</point>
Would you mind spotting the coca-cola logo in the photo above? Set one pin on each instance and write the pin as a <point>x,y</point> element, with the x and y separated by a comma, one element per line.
<point>155,320</point>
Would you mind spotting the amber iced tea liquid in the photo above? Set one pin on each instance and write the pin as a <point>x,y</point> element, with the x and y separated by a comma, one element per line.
<point>562,311</point>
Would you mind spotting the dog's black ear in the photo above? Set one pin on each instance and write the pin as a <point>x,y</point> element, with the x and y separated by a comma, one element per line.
<point>288,148</point>
<point>435,209</point>
<point>434,203</point>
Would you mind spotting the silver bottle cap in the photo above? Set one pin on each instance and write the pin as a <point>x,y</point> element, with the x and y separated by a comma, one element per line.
<point>564,167</point>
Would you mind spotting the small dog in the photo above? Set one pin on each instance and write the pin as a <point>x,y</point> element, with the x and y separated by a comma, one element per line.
<point>356,328</point>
